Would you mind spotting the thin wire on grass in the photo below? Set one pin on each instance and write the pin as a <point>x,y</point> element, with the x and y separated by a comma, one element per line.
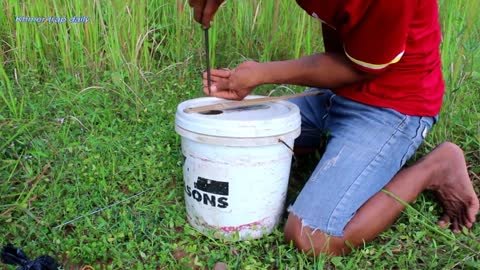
<point>102,209</point>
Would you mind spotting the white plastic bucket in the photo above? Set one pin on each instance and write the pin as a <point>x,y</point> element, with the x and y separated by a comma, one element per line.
<point>237,165</point>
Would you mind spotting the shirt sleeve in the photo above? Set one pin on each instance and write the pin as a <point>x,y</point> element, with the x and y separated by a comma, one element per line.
<point>376,32</point>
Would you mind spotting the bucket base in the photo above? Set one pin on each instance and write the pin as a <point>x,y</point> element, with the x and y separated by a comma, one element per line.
<point>249,231</point>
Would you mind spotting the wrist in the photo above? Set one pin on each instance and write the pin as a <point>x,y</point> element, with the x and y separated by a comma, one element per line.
<point>262,74</point>
<point>276,72</point>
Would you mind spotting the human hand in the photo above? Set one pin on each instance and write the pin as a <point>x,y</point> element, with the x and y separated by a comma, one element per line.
<point>204,10</point>
<point>233,84</point>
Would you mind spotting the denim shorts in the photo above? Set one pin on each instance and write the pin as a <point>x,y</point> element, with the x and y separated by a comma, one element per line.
<point>366,147</point>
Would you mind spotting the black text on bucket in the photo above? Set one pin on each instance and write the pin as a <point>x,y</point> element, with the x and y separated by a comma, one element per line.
<point>209,192</point>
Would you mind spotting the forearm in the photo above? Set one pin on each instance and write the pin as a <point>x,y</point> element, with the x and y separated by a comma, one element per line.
<point>324,70</point>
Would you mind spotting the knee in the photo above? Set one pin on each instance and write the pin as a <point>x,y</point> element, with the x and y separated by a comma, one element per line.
<point>312,242</point>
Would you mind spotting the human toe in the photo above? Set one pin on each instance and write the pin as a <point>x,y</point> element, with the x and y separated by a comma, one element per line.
<point>444,221</point>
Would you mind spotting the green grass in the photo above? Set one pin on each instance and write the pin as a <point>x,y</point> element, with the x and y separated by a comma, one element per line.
<point>87,121</point>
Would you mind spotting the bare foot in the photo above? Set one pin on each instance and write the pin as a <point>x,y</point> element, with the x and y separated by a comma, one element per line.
<point>453,187</point>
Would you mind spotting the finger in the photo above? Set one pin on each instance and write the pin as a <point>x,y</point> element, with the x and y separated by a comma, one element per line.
<point>468,225</point>
<point>221,92</point>
<point>219,83</point>
<point>472,216</point>
<point>226,94</point>
<point>213,88</point>
<point>214,79</point>
<point>198,8</point>
<point>223,73</point>
<point>464,218</point>
<point>455,227</point>
<point>472,212</point>
<point>209,11</point>
<point>444,221</point>
<point>205,90</point>
<point>454,223</point>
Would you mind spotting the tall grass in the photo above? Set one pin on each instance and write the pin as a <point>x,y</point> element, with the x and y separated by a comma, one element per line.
<point>460,50</point>
<point>137,36</point>
<point>460,28</point>
<point>124,41</point>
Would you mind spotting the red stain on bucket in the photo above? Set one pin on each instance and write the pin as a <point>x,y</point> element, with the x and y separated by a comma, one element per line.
<point>231,229</point>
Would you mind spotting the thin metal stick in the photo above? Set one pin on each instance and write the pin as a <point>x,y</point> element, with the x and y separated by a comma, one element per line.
<point>207,56</point>
<point>101,209</point>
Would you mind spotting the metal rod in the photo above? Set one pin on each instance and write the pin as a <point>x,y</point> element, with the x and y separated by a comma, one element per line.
<point>207,56</point>
<point>101,209</point>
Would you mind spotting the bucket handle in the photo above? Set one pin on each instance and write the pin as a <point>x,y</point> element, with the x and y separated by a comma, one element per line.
<point>286,145</point>
<point>289,149</point>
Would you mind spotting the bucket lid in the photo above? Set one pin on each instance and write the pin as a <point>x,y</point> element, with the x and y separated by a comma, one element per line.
<point>258,120</point>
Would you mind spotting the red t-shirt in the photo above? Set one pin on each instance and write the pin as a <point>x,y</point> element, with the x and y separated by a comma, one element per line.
<point>396,39</point>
